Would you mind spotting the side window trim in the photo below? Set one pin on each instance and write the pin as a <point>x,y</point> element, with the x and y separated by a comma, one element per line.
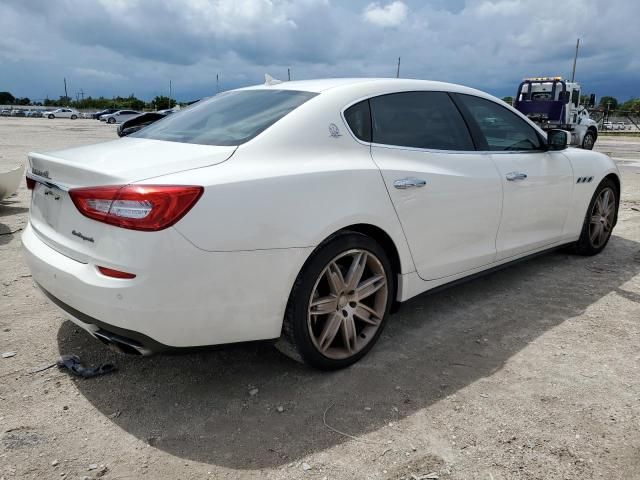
<point>475,128</point>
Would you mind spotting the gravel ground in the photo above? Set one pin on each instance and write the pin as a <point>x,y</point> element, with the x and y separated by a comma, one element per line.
<point>531,372</point>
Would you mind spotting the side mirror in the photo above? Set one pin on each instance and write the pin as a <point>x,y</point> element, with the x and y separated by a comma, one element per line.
<point>557,139</point>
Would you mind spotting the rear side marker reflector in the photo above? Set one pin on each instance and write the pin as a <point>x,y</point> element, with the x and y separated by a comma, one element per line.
<point>136,207</point>
<point>110,272</point>
<point>31,183</point>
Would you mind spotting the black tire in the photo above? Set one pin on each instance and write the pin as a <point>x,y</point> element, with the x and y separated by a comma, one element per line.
<point>111,120</point>
<point>51,117</point>
<point>296,341</point>
<point>585,245</point>
<point>589,140</point>
<point>73,117</point>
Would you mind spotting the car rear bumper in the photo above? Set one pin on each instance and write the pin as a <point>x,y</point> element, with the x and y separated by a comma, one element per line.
<point>186,297</point>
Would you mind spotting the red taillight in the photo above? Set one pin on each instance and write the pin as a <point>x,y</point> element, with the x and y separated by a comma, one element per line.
<point>137,207</point>
<point>31,183</point>
<point>110,272</point>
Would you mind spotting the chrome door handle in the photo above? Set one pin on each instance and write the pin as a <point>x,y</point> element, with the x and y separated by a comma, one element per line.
<point>405,183</point>
<point>513,176</point>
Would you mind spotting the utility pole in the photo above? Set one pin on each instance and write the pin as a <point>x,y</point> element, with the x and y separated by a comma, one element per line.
<point>169,93</point>
<point>608,105</point>
<point>398,70</point>
<point>82,94</point>
<point>217,84</point>
<point>65,89</point>
<point>575,60</point>
<point>289,74</point>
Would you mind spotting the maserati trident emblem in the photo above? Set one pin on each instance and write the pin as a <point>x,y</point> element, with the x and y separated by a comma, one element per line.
<point>83,237</point>
<point>334,131</point>
<point>41,173</point>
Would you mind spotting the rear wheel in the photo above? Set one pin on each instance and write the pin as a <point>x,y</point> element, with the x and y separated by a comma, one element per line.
<point>339,303</point>
<point>588,141</point>
<point>112,120</point>
<point>600,218</point>
<point>51,116</point>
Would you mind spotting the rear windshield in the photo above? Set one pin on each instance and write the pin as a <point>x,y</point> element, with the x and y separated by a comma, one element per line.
<point>229,118</point>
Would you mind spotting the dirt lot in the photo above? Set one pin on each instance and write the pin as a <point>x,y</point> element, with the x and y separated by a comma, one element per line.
<point>531,372</point>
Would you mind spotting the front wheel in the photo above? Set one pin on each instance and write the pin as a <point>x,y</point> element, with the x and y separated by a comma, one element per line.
<point>73,117</point>
<point>599,220</point>
<point>339,303</point>
<point>588,141</point>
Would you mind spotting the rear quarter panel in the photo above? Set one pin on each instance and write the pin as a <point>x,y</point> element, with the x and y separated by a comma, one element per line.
<point>291,187</point>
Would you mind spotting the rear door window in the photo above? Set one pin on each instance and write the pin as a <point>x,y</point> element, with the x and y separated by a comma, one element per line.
<point>428,120</point>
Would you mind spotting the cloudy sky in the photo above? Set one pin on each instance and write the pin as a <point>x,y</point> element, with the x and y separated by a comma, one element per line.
<point>119,47</point>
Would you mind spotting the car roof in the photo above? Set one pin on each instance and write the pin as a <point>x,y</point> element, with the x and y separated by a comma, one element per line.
<point>367,84</point>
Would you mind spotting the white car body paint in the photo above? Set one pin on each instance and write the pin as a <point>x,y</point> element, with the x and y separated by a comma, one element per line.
<point>224,272</point>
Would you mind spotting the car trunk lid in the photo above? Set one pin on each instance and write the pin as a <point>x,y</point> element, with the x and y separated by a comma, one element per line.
<point>55,218</point>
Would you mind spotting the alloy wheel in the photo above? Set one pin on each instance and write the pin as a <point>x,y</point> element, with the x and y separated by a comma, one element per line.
<point>347,304</point>
<point>602,217</point>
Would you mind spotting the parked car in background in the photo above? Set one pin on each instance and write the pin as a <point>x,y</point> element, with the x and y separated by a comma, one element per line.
<point>62,113</point>
<point>107,111</point>
<point>18,112</point>
<point>622,126</point>
<point>303,211</point>
<point>137,123</point>
<point>607,126</point>
<point>120,116</point>
<point>35,113</point>
<point>5,112</point>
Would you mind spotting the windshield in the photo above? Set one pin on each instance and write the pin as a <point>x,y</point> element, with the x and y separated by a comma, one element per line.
<point>230,118</point>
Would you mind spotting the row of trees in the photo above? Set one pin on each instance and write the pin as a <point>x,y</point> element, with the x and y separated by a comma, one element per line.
<point>100,103</point>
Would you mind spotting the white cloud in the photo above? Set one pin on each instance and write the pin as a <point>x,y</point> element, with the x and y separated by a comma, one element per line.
<point>390,15</point>
<point>98,74</point>
<point>502,7</point>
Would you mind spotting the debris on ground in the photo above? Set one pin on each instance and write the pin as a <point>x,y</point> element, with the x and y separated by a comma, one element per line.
<point>253,392</point>
<point>43,367</point>
<point>306,466</point>
<point>8,354</point>
<point>73,365</point>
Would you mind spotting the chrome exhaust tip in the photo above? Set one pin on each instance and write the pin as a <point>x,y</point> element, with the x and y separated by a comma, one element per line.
<point>121,344</point>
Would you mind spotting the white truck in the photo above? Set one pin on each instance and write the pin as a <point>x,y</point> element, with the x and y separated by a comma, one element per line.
<point>552,102</point>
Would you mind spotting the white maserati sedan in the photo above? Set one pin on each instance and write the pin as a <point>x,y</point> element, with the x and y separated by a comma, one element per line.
<point>303,211</point>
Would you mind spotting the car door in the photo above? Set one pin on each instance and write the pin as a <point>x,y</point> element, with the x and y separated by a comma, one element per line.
<point>537,183</point>
<point>447,195</point>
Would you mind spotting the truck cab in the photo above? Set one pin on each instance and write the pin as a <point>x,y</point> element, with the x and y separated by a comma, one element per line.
<point>552,102</point>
